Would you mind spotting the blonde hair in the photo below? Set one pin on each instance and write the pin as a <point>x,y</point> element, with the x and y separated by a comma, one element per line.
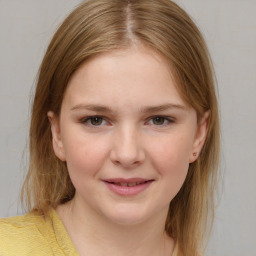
<point>99,26</point>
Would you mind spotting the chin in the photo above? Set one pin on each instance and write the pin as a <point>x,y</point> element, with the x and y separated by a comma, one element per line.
<point>127,215</point>
<point>127,220</point>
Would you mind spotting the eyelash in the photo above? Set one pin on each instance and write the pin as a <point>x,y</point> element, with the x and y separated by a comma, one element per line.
<point>167,120</point>
<point>87,120</point>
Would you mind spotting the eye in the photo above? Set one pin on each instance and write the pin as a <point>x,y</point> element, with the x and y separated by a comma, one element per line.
<point>160,120</point>
<point>94,121</point>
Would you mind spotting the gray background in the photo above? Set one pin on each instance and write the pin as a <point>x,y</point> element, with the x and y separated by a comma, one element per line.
<point>229,27</point>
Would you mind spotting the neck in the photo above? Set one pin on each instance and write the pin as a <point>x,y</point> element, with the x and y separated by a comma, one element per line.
<point>93,235</point>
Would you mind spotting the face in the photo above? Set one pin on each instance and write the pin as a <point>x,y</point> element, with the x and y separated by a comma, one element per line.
<point>126,135</point>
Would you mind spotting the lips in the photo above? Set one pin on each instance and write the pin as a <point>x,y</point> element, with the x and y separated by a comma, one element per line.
<point>132,184</point>
<point>128,187</point>
<point>127,182</point>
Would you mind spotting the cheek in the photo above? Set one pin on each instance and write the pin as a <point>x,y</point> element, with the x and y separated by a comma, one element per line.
<point>171,150</point>
<point>170,158</point>
<point>84,155</point>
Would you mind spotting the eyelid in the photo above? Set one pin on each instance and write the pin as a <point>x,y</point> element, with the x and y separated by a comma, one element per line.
<point>107,122</point>
<point>170,120</point>
<point>85,120</point>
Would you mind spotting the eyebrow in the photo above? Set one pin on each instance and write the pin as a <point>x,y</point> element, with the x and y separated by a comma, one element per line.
<point>163,107</point>
<point>96,108</point>
<point>144,110</point>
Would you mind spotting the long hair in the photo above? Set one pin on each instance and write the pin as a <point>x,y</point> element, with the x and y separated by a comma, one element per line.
<point>100,26</point>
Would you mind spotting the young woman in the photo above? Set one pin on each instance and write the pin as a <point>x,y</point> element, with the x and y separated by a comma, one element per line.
<point>124,138</point>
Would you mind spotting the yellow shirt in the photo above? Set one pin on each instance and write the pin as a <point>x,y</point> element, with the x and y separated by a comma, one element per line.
<point>33,235</point>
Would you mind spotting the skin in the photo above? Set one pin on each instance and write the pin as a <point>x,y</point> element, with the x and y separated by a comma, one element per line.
<point>127,90</point>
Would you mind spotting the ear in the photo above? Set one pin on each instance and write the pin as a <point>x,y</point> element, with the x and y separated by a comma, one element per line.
<point>56,136</point>
<point>201,133</point>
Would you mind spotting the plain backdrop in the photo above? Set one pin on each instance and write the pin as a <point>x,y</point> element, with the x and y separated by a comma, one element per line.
<point>229,27</point>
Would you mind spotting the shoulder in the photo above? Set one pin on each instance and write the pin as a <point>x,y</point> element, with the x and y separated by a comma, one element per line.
<point>21,225</point>
<point>24,235</point>
<point>29,219</point>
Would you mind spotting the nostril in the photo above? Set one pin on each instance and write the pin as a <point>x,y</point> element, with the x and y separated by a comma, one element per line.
<point>127,153</point>
<point>126,163</point>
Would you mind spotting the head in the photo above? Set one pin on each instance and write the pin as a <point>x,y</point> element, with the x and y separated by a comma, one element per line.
<point>99,27</point>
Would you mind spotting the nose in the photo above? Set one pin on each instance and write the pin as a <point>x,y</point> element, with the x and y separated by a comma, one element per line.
<point>127,150</point>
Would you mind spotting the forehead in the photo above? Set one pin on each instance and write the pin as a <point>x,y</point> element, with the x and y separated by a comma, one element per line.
<point>135,74</point>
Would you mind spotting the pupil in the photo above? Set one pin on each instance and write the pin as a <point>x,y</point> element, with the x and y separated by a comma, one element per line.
<point>96,120</point>
<point>158,120</point>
